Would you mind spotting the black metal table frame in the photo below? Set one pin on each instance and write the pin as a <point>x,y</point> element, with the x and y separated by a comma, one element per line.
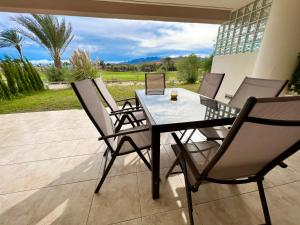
<point>156,130</point>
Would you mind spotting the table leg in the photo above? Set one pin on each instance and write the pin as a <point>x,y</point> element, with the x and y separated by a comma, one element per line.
<point>155,159</point>
<point>137,103</point>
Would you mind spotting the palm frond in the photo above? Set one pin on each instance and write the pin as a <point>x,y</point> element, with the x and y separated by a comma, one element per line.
<point>47,31</point>
<point>10,38</point>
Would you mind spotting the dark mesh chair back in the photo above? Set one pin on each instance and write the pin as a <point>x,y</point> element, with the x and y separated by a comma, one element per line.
<point>210,84</point>
<point>90,101</point>
<point>256,87</point>
<point>155,83</point>
<point>258,137</point>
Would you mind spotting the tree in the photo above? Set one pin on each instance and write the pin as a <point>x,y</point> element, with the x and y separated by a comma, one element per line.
<point>169,64</point>
<point>49,32</point>
<point>10,38</point>
<point>208,64</point>
<point>188,68</point>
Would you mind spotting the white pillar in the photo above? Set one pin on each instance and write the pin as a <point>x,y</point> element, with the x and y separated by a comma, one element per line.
<point>278,53</point>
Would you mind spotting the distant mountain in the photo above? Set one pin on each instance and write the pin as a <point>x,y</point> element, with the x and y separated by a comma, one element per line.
<point>143,60</point>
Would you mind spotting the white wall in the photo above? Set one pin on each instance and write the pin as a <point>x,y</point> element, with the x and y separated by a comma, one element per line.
<point>277,56</point>
<point>235,67</point>
<point>278,53</point>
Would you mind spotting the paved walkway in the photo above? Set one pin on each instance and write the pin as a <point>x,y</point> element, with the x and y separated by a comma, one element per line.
<point>50,163</point>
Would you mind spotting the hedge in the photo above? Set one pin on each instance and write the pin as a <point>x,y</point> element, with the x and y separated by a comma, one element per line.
<point>20,77</point>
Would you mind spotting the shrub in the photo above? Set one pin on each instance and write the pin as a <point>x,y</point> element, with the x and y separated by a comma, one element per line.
<point>148,67</point>
<point>83,66</point>
<point>208,64</point>
<point>4,90</point>
<point>188,69</point>
<point>8,68</point>
<point>20,76</point>
<point>294,83</point>
<point>56,74</point>
<point>35,75</point>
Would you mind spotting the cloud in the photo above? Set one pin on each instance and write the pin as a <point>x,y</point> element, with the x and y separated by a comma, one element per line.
<point>88,47</point>
<point>150,36</point>
<point>187,37</point>
<point>44,61</point>
<point>122,40</point>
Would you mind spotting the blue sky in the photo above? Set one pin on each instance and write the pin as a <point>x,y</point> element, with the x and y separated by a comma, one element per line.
<point>116,40</point>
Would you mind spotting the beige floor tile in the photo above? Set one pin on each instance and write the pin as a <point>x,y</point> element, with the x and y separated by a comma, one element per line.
<point>279,176</point>
<point>210,192</point>
<point>172,194</point>
<point>28,153</point>
<point>131,222</point>
<point>66,135</point>
<point>283,201</point>
<point>68,138</point>
<point>60,205</point>
<point>26,176</point>
<point>294,160</point>
<point>284,204</point>
<point>124,164</point>
<point>117,201</point>
<point>165,160</point>
<point>174,217</point>
<point>22,153</point>
<point>18,138</point>
<point>236,210</point>
<point>89,146</point>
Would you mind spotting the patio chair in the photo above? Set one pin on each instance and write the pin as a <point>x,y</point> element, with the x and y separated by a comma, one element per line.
<point>209,87</point>
<point>155,83</point>
<point>136,113</point>
<point>266,132</point>
<point>118,142</point>
<point>250,87</point>
<point>210,84</point>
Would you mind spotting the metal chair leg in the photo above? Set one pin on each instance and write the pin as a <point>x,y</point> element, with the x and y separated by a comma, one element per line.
<point>190,205</point>
<point>190,136</point>
<point>264,202</point>
<point>144,159</point>
<point>106,170</point>
<point>182,134</point>
<point>173,166</point>
<point>188,193</point>
<point>283,165</point>
<point>105,153</point>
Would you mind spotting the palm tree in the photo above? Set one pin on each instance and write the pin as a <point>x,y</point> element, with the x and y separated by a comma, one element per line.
<point>10,38</point>
<point>49,32</point>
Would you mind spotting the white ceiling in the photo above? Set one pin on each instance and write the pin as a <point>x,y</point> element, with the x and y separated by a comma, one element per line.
<point>199,11</point>
<point>218,4</point>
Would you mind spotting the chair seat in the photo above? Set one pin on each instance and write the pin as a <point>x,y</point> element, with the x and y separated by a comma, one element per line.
<point>198,154</point>
<point>214,133</point>
<point>141,139</point>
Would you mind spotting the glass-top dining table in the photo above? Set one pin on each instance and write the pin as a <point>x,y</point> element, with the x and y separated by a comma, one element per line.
<point>189,111</point>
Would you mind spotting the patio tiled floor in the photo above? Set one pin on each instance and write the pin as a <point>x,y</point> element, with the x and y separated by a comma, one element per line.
<point>50,163</point>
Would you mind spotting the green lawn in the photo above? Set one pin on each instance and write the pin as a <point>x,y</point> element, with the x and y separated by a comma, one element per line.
<point>122,76</point>
<point>66,99</point>
<point>130,76</point>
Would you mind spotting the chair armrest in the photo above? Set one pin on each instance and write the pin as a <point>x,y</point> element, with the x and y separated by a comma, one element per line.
<point>228,96</point>
<point>126,99</point>
<point>121,111</point>
<point>124,133</point>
